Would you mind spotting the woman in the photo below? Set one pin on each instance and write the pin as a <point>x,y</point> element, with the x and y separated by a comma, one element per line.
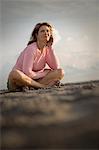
<point>30,68</point>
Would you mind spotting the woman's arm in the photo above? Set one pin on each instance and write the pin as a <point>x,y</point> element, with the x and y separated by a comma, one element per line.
<point>28,65</point>
<point>52,59</point>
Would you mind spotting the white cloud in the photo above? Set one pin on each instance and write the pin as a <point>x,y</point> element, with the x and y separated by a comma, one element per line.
<point>85,37</point>
<point>81,43</point>
<point>69,39</point>
<point>56,35</point>
<point>80,61</point>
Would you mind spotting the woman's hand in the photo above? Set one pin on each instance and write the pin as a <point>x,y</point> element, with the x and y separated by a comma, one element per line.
<point>46,71</point>
<point>50,42</point>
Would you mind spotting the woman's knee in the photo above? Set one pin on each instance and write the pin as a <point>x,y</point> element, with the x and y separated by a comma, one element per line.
<point>15,74</point>
<point>60,73</point>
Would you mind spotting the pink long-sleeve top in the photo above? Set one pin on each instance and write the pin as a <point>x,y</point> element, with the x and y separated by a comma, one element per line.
<point>32,62</point>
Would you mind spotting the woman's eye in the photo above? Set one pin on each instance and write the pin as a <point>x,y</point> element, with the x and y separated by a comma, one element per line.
<point>42,30</point>
<point>45,31</point>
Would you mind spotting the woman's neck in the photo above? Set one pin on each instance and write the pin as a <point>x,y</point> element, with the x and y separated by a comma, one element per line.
<point>41,46</point>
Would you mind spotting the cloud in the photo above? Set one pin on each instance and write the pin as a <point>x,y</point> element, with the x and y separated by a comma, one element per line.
<point>82,61</point>
<point>69,39</point>
<point>56,35</point>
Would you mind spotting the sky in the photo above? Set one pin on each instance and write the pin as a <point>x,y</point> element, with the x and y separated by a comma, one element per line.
<point>76,23</point>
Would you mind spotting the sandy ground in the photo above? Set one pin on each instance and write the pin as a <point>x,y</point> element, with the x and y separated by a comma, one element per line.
<point>65,117</point>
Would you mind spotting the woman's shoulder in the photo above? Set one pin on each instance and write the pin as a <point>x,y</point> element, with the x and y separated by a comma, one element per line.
<point>31,47</point>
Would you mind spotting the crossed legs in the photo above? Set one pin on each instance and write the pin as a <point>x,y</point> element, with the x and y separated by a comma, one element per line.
<point>19,79</point>
<point>52,77</point>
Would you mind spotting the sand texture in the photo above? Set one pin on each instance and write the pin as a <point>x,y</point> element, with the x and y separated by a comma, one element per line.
<point>53,118</point>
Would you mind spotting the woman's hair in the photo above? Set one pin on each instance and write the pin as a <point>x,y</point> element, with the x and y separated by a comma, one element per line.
<point>34,33</point>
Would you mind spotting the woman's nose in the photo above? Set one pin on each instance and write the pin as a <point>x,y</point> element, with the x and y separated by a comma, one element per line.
<point>46,32</point>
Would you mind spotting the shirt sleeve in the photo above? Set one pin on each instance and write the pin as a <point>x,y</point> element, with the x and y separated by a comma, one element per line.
<point>28,65</point>
<point>51,59</point>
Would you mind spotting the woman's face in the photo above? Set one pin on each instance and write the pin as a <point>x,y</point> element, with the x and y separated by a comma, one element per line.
<point>44,34</point>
